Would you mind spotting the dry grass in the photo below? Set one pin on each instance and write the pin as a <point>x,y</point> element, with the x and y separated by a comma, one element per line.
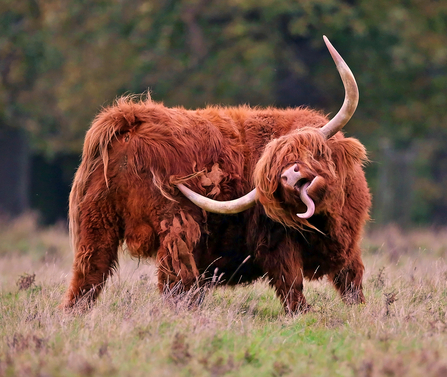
<point>133,331</point>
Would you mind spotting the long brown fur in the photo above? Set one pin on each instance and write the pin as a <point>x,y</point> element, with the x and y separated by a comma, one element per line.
<point>124,192</point>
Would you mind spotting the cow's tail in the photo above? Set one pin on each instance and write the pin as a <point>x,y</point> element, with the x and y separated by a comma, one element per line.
<point>111,121</point>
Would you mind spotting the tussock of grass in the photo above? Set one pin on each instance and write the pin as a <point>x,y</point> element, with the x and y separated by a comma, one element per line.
<point>242,331</point>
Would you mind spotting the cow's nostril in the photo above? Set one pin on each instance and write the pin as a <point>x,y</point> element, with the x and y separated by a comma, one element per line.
<point>291,175</point>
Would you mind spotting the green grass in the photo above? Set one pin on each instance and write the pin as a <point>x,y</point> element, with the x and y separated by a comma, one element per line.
<point>242,331</point>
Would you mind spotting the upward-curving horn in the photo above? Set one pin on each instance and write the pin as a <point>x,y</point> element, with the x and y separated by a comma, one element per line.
<point>351,95</point>
<point>328,130</point>
<point>231,206</point>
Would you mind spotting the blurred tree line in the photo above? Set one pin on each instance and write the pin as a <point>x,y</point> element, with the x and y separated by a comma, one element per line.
<point>62,60</point>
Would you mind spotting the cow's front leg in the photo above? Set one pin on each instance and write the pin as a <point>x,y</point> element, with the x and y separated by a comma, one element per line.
<point>285,270</point>
<point>348,281</point>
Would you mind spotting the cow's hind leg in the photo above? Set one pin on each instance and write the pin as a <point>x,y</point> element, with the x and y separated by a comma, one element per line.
<point>348,282</point>
<point>96,253</point>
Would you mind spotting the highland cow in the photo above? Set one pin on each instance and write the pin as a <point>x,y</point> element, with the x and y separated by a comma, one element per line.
<point>171,183</point>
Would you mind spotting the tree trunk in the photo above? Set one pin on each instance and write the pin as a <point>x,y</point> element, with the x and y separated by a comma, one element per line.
<point>14,171</point>
<point>394,197</point>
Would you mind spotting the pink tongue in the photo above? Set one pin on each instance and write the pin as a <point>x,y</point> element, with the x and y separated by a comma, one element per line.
<point>307,201</point>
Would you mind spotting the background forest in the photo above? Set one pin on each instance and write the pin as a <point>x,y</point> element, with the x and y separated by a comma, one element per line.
<point>61,61</point>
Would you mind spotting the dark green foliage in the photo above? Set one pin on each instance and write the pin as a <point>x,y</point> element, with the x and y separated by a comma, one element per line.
<point>60,61</point>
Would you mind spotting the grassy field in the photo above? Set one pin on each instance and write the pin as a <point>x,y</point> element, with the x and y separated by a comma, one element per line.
<point>133,331</point>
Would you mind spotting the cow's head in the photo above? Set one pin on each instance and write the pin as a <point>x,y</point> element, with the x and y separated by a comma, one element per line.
<point>295,172</point>
<point>294,175</point>
<point>302,174</point>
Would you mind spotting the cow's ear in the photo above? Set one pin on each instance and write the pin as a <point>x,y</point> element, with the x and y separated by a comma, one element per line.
<point>350,152</point>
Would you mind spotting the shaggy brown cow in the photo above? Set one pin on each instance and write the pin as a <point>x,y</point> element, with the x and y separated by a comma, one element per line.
<point>302,219</point>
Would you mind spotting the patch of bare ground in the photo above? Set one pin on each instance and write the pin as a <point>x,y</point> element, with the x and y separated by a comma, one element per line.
<point>134,331</point>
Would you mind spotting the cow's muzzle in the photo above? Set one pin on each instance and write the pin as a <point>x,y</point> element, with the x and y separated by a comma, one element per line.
<point>300,182</point>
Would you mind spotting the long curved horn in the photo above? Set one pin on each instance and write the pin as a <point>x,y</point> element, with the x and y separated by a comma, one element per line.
<point>328,130</point>
<point>232,206</point>
<point>351,95</point>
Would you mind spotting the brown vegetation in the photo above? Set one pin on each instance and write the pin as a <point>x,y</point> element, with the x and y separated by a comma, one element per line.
<point>240,331</point>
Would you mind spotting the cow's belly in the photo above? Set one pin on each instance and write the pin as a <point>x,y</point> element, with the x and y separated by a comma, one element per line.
<point>317,263</point>
<point>224,248</point>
